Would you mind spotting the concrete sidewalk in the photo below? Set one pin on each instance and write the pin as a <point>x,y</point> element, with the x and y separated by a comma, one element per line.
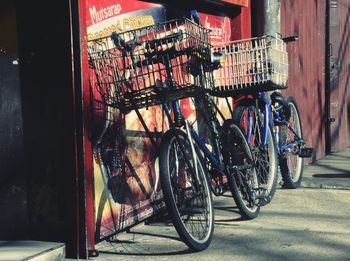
<point>302,224</point>
<point>31,250</point>
<point>309,223</point>
<point>333,171</point>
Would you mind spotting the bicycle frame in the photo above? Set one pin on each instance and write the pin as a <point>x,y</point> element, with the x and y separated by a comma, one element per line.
<point>269,117</point>
<point>267,112</point>
<point>214,157</point>
<point>179,119</point>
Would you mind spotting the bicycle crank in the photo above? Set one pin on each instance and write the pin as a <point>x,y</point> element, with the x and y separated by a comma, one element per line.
<point>262,199</point>
<point>305,152</point>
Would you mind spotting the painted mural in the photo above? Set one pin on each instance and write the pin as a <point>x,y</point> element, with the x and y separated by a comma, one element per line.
<point>126,180</point>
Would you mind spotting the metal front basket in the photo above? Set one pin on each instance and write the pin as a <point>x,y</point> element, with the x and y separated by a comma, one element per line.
<point>256,64</point>
<point>149,66</point>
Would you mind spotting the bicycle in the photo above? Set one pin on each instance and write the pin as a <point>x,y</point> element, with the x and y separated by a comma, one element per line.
<point>269,119</point>
<point>230,156</point>
<point>138,69</point>
<point>176,56</point>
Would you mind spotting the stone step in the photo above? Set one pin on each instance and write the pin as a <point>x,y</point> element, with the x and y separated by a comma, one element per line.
<point>314,170</point>
<point>330,183</point>
<point>32,250</point>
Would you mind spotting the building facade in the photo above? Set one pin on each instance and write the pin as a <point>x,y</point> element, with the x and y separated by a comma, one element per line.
<point>52,185</point>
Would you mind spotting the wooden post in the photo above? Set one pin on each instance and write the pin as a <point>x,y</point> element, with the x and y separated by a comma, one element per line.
<point>272,17</point>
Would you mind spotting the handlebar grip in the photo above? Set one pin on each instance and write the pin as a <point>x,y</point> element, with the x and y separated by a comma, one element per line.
<point>195,17</point>
<point>117,40</point>
<point>289,39</point>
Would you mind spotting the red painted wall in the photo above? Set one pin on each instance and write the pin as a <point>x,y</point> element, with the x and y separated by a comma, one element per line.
<point>342,94</point>
<point>307,66</point>
<point>307,77</point>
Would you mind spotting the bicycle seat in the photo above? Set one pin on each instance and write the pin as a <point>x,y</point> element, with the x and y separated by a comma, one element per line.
<point>281,106</point>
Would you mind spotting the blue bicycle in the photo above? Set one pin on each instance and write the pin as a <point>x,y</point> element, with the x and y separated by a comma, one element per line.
<point>286,127</point>
<point>254,116</point>
<point>270,121</point>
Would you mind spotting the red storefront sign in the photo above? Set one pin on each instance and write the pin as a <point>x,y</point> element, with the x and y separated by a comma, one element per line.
<point>124,195</point>
<point>236,2</point>
<point>117,200</point>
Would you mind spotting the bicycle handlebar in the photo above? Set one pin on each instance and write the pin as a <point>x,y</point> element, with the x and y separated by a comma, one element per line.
<point>117,40</point>
<point>204,57</point>
<point>289,39</point>
<point>120,42</point>
<point>153,44</point>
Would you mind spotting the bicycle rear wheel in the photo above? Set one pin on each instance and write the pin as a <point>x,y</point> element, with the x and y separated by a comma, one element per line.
<point>242,176</point>
<point>186,191</point>
<point>250,120</point>
<point>291,164</point>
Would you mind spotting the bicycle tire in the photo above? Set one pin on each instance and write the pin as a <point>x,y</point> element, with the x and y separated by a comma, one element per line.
<point>186,206</point>
<point>291,165</point>
<point>242,183</point>
<point>265,156</point>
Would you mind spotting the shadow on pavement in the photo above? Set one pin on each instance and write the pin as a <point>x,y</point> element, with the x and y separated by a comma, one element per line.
<point>338,175</point>
<point>144,243</point>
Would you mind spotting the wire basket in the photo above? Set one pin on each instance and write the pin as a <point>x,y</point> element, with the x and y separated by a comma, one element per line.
<point>256,64</point>
<point>151,65</point>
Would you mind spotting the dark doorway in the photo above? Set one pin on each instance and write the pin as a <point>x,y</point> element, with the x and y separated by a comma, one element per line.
<point>332,76</point>
<point>13,201</point>
<point>338,75</point>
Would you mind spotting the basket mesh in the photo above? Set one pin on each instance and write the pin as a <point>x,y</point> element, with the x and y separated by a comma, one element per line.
<point>256,64</point>
<point>157,64</point>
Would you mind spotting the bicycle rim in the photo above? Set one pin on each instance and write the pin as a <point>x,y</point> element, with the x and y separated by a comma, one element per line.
<point>186,193</point>
<point>264,155</point>
<point>243,180</point>
<point>294,162</point>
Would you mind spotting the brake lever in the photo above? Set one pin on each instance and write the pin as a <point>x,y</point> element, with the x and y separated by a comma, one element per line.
<point>120,42</point>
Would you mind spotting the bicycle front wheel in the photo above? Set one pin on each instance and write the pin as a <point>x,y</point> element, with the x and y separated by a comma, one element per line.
<point>291,165</point>
<point>251,121</point>
<point>242,176</point>
<point>186,190</point>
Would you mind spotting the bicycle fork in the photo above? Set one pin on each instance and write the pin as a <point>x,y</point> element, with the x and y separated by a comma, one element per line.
<point>175,123</point>
<point>298,146</point>
<point>189,136</point>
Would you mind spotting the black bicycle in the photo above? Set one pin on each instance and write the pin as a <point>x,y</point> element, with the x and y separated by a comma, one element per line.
<point>161,65</point>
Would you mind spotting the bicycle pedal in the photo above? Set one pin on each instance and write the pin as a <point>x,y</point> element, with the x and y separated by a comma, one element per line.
<point>263,200</point>
<point>306,152</point>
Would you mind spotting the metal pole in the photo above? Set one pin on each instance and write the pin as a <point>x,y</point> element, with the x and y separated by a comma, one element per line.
<point>272,17</point>
<point>272,24</point>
